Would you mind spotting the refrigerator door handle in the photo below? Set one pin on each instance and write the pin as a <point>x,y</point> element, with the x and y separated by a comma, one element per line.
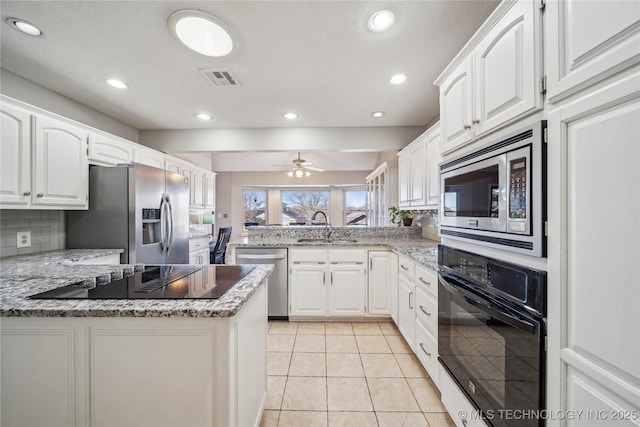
<point>170,220</point>
<point>163,225</point>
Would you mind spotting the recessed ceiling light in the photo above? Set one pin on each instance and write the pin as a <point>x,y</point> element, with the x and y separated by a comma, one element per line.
<point>377,114</point>
<point>117,83</point>
<point>201,32</point>
<point>290,116</point>
<point>203,116</point>
<point>381,20</point>
<point>24,26</point>
<point>398,79</point>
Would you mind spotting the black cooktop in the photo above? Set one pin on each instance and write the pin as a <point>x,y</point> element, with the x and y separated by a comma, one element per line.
<point>159,282</point>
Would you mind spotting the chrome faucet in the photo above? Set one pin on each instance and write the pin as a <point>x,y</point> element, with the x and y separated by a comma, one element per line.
<point>327,226</point>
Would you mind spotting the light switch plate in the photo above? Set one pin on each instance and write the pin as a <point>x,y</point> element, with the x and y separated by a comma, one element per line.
<point>24,239</point>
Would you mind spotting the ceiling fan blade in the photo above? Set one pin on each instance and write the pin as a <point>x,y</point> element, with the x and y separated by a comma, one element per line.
<point>311,168</point>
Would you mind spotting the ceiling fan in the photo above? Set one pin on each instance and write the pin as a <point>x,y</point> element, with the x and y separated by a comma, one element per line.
<point>301,168</point>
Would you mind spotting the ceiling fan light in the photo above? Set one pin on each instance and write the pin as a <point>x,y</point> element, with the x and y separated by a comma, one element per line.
<point>290,173</point>
<point>299,173</point>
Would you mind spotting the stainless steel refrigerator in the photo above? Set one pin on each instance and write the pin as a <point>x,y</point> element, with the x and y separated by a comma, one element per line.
<point>138,208</point>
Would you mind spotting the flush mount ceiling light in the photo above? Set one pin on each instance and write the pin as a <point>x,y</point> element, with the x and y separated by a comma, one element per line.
<point>203,116</point>
<point>201,32</point>
<point>24,26</point>
<point>377,114</point>
<point>117,83</point>
<point>380,20</point>
<point>398,79</point>
<point>290,116</point>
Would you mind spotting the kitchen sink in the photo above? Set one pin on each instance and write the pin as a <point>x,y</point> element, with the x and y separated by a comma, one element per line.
<point>337,241</point>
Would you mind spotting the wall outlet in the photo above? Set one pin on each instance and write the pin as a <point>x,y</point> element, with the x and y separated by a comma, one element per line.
<point>24,239</point>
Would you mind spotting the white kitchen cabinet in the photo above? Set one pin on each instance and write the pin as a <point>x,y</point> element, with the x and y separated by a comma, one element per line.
<point>457,404</point>
<point>406,310</point>
<point>197,188</point>
<point>594,152</point>
<point>15,157</point>
<point>210,191</point>
<point>175,165</point>
<point>588,41</point>
<point>147,156</point>
<point>60,165</point>
<point>381,194</point>
<point>107,150</point>
<point>432,173</point>
<point>426,346</point>
<point>327,283</point>
<point>199,251</point>
<point>496,79</point>
<point>404,180</point>
<point>383,284</point>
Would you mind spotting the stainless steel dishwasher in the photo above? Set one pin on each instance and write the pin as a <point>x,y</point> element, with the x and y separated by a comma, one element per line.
<point>278,281</point>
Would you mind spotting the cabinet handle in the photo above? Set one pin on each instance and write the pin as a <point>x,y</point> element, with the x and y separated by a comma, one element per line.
<point>331,275</point>
<point>410,293</point>
<point>39,195</point>
<point>26,193</point>
<point>422,280</point>
<point>475,122</point>
<point>425,351</point>
<point>467,127</point>
<point>422,308</point>
<point>324,277</point>
<point>403,267</point>
<point>371,264</point>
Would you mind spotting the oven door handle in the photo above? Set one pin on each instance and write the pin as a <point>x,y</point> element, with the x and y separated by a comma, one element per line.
<point>514,320</point>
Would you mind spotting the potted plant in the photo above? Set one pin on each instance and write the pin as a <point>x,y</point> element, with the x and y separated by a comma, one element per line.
<point>401,215</point>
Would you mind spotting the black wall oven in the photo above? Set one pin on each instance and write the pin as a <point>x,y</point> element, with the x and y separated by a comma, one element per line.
<point>491,334</point>
<point>496,195</point>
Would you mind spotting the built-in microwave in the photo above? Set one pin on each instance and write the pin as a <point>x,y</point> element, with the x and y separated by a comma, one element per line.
<point>496,196</point>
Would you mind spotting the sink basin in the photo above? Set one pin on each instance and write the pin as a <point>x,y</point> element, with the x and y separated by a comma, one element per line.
<point>338,241</point>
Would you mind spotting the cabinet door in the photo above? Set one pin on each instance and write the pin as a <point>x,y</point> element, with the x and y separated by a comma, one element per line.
<point>347,288</point>
<point>109,151</point>
<point>172,165</point>
<point>433,171</point>
<point>418,174</point>
<point>197,189</point>
<point>404,180</point>
<point>210,191</point>
<point>61,169</point>
<point>15,161</point>
<point>307,290</point>
<point>147,156</point>
<point>456,103</point>
<point>380,282</point>
<point>406,310</point>
<point>507,69</point>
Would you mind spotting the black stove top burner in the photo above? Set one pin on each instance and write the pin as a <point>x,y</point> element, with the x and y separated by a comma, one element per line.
<point>159,282</point>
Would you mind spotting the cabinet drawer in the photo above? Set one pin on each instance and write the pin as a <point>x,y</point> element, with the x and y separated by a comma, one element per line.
<point>347,255</point>
<point>308,255</point>
<point>427,352</point>
<point>427,280</point>
<point>427,310</point>
<point>198,244</point>
<point>407,267</point>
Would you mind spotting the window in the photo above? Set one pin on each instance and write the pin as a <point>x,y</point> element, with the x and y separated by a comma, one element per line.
<point>299,206</point>
<point>254,207</point>
<point>354,212</point>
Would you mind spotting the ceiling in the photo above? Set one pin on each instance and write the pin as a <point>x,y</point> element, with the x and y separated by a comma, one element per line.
<point>316,58</point>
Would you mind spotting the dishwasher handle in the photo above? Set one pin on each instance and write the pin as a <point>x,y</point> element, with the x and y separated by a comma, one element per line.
<point>257,256</point>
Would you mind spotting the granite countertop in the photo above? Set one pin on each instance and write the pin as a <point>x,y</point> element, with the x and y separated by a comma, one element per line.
<point>25,275</point>
<point>422,251</point>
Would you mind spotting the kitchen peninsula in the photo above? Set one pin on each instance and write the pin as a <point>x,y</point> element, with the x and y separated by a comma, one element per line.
<point>127,362</point>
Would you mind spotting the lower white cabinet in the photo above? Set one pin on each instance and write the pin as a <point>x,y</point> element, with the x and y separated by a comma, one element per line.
<point>462,412</point>
<point>407,310</point>
<point>383,283</point>
<point>135,371</point>
<point>327,282</point>
<point>199,251</point>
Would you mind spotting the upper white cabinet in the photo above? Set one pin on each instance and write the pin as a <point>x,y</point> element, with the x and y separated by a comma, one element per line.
<point>381,194</point>
<point>496,78</point>
<point>418,185</point>
<point>44,162</point>
<point>147,156</point>
<point>15,150</point>
<point>108,150</point>
<point>210,191</point>
<point>587,41</point>
<point>197,188</point>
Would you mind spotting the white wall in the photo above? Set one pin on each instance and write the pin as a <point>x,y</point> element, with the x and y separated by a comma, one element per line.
<point>229,187</point>
<point>23,90</point>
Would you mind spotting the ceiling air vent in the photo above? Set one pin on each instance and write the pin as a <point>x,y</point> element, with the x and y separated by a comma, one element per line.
<point>220,77</point>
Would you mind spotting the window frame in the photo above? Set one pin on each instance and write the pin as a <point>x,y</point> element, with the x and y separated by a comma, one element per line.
<point>264,191</point>
<point>345,210</point>
<point>310,189</point>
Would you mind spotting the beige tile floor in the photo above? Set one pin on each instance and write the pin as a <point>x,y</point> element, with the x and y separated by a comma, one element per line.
<point>346,374</point>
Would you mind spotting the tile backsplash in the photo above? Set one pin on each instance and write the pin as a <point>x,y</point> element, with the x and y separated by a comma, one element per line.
<point>48,230</point>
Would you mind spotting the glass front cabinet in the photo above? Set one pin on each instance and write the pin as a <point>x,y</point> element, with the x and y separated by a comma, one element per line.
<point>382,193</point>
